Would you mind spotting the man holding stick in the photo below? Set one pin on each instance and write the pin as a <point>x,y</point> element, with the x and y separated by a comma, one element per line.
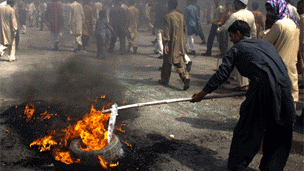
<point>268,112</point>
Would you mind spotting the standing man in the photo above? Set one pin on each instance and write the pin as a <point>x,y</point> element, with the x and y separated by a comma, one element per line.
<point>132,17</point>
<point>247,16</point>
<point>54,17</point>
<point>216,18</point>
<point>8,29</point>
<point>76,21</point>
<point>87,26</point>
<point>258,17</point>
<point>284,35</point>
<point>118,21</point>
<point>174,46</point>
<point>268,112</point>
<point>41,13</point>
<point>193,23</point>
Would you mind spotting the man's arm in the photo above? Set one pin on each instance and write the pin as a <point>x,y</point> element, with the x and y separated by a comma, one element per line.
<point>272,35</point>
<point>228,23</point>
<point>166,36</point>
<point>221,75</point>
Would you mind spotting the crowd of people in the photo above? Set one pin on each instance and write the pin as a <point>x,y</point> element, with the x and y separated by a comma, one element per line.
<point>265,59</point>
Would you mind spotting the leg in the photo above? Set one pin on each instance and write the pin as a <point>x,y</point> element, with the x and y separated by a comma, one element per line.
<point>183,73</point>
<point>166,70</point>
<point>211,37</point>
<point>276,146</point>
<point>52,40</point>
<point>112,43</point>
<point>201,35</point>
<point>122,41</point>
<point>12,50</point>
<point>56,40</point>
<point>159,43</point>
<point>98,45</point>
<point>190,44</point>
<point>250,129</point>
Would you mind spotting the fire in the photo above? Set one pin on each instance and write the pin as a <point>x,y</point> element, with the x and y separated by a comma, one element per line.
<point>105,164</point>
<point>28,112</point>
<point>64,157</point>
<point>44,143</point>
<point>92,130</point>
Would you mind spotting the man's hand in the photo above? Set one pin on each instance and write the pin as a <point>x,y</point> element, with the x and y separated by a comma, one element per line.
<point>197,97</point>
<point>166,50</point>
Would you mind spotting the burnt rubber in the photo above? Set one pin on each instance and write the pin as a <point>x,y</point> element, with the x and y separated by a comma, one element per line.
<point>111,152</point>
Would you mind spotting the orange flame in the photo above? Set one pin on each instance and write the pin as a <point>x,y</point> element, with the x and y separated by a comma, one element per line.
<point>28,112</point>
<point>44,143</point>
<point>64,157</point>
<point>105,164</point>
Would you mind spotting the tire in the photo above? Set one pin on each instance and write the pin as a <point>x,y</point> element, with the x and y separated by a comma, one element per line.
<point>111,152</point>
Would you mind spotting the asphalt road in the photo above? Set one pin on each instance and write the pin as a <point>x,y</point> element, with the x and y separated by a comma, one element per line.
<point>202,131</point>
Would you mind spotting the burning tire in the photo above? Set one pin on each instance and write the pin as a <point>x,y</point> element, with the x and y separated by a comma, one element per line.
<point>111,152</point>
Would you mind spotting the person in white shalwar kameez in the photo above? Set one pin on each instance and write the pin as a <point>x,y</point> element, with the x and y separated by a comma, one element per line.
<point>76,20</point>
<point>8,29</point>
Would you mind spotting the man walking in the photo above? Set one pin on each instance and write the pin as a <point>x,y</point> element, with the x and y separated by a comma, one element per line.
<point>268,112</point>
<point>132,17</point>
<point>193,23</point>
<point>216,18</point>
<point>118,21</point>
<point>87,26</point>
<point>8,29</point>
<point>174,45</point>
<point>54,17</point>
<point>76,21</point>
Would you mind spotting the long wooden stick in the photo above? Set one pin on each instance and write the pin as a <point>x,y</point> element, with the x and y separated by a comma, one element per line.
<point>174,101</point>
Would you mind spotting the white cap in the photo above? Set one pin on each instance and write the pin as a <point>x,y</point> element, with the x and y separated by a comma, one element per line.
<point>244,2</point>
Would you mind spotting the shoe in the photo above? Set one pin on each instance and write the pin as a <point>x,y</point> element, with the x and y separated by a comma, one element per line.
<point>162,82</point>
<point>161,57</point>
<point>192,52</point>
<point>156,52</point>
<point>135,50</point>
<point>11,60</point>
<point>154,42</point>
<point>244,88</point>
<point>206,54</point>
<point>186,84</point>
<point>188,66</point>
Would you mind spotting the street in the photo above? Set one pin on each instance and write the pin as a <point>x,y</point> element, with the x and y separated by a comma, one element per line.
<point>202,132</point>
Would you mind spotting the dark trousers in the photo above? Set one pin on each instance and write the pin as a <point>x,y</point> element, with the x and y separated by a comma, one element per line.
<point>201,34</point>
<point>120,33</point>
<point>223,36</point>
<point>85,41</point>
<point>257,125</point>
<point>101,47</point>
<point>211,37</point>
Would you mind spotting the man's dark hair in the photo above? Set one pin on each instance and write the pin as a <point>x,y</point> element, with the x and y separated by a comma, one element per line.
<point>102,14</point>
<point>288,1</point>
<point>241,26</point>
<point>172,4</point>
<point>241,4</point>
<point>131,2</point>
<point>10,2</point>
<point>255,5</point>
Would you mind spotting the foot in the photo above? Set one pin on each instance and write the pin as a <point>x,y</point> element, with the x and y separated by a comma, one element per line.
<point>206,54</point>
<point>192,52</point>
<point>161,57</point>
<point>135,50</point>
<point>188,66</point>
<point>244,88</point>
<point>162,82</point>
<point>186,84</point>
